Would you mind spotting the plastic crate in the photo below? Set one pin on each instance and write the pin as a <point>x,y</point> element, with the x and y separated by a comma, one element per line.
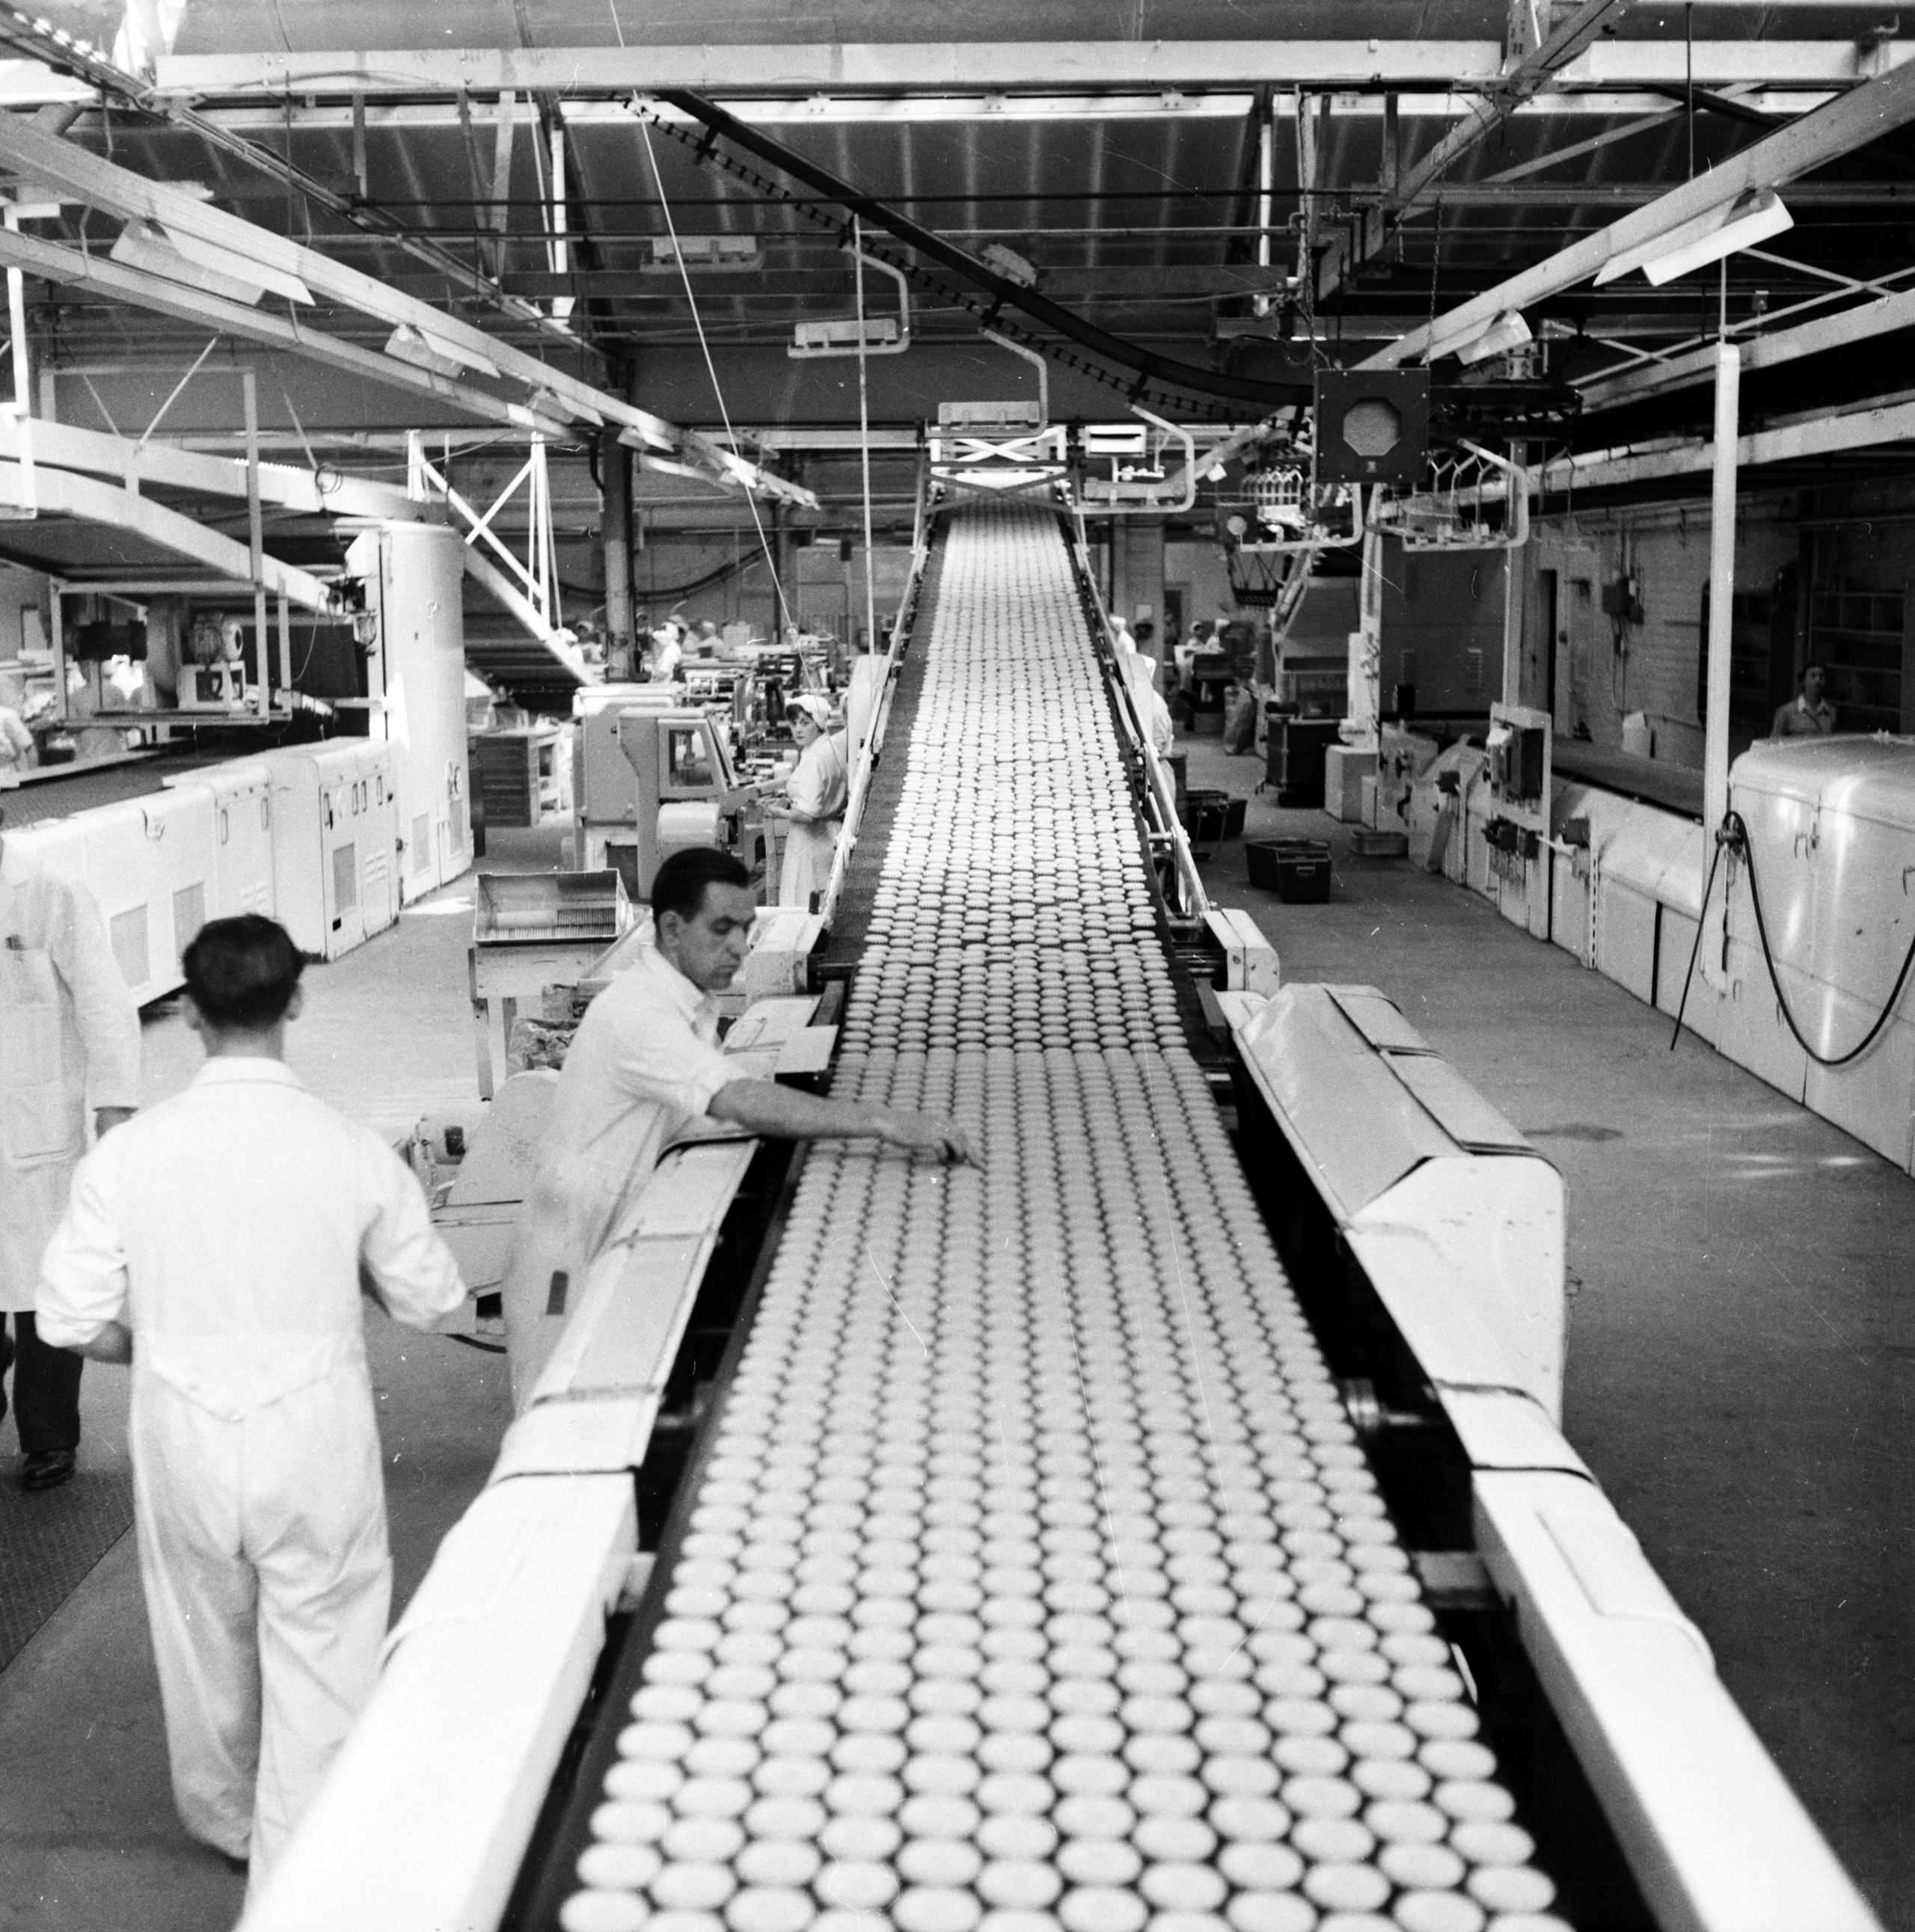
<point>1209,816</point>
<point>1297,870</point>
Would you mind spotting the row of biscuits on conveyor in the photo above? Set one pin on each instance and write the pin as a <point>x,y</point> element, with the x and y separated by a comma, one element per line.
<point>1032,1575</point>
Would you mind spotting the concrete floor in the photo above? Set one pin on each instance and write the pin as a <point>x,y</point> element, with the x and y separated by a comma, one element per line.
<point>1737,1373</point>
<point>1742,1324</point>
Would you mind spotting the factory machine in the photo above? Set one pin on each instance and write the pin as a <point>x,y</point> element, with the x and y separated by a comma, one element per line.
<point>1164,1523</point>
<point>654,775</point>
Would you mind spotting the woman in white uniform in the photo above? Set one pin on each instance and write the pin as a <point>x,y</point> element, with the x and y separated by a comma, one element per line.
<point>68,1024</point>
<point>814,803</point>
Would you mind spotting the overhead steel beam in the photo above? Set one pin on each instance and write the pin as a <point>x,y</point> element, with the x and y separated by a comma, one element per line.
<point>1843,125</point>
<point>840,67</point>
<point>44,158</point>
<point>1882,316</point>
<point>61,492</point>
<point>1532,72</point>
<point>1888,419</point>
<point>37,40</point>
<point>137,465</point>
<point>53,262</point>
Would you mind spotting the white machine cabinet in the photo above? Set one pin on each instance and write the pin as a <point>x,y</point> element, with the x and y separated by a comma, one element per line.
<point>1832,831</point>
<point>240,793</point>
<point>415,578</point>
<point>149,864</point>
<point>335,820</point>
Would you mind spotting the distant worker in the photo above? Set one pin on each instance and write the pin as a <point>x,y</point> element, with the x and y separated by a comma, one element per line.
<point>813,806</point>
<point>666,652</point>
<point>257,1492</point>
<point>1808,714</point>
<point>644,1068</point>
<point>68,1029</point>
<point>707,640</point>
<point>16,748</point>
<point>1141,672</point>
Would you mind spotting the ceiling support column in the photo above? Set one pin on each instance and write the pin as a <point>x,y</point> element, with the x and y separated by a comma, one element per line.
<point>615,524</point>
<point>1721,621</point>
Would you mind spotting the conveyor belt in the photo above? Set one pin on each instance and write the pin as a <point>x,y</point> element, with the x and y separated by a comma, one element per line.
<point>1033,1576</point>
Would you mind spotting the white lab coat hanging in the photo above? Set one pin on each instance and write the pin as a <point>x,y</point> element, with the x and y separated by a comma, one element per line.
<point>69,1034</point>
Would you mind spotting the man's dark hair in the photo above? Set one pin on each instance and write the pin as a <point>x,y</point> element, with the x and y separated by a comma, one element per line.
<point>1813,663</point>
<point>242,973</point>
<point>679,885</point>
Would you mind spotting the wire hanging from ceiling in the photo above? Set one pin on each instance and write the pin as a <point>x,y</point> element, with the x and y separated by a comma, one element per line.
<point>711,369</point>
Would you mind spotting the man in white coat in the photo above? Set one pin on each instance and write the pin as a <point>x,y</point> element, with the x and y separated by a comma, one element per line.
<point>219,1242</point>
<point>68,1027</point>
<point>644,1069</point>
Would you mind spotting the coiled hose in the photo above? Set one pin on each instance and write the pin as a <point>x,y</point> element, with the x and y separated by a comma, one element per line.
<point>1733,836</point>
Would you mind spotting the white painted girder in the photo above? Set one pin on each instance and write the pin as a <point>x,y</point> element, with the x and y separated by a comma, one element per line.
<point>970,67</point>
<point>1882,316</point>
<point>63,493</point>
<point>1888,419</point>
<point>46,159</point>
<point>1845,124</point>
<point>65,447</point>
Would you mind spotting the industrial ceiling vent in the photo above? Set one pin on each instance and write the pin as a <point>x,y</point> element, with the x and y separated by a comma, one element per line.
<point>1372,426</point>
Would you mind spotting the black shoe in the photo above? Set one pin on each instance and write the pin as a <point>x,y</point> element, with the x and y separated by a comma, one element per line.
<point>46,1469</point>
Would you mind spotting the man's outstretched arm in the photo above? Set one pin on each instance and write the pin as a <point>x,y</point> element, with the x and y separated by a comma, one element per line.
<point>783,1113</point>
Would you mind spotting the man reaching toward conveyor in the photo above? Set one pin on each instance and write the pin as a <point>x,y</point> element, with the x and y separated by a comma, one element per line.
<point>643,1067</point>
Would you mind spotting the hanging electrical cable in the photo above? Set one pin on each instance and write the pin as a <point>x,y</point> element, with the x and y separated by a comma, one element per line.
<point>711,369</point>
<point>864,436</point>
<point>1733,838</point>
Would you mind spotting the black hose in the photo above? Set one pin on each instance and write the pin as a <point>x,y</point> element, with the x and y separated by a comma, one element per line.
<point>1737,833</point>
<point>471,1342</point>
<point>1701,918</point>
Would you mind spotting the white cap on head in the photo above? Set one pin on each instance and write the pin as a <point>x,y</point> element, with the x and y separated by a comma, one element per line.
<point>816,709</point>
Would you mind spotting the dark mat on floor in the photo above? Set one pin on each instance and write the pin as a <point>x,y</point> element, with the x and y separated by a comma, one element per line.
<point>48,1542</point>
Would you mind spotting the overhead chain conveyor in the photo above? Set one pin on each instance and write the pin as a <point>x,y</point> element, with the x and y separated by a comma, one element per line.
<point>1029,1570</point>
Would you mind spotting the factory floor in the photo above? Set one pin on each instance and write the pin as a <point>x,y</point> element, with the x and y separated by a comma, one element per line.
<point>1738,1368</point>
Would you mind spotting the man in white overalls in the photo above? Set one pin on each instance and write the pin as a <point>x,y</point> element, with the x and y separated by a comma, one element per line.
<point>68,1028</point>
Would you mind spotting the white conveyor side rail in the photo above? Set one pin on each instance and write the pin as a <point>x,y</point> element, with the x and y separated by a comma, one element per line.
<point>867,753</point>
<point>1457,1224</point>
<point>423,1823</point>
<point>1168,828</point>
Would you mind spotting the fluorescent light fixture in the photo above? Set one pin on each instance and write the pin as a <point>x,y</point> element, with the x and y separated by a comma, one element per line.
<point>645,441</point>
<point>1739,224</point>
<point>563,406</point>
<point>141,246</point>
<point>195,264</point>
<point>218,261</point>
<point>424,349</point>
<point>1507,332</point>
<point>707,251</point>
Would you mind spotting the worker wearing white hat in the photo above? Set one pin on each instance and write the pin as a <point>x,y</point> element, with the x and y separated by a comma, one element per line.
<point>1140,674</point>
<point>68,1027</point>
<point>814,802</point>
<point>666,652</point>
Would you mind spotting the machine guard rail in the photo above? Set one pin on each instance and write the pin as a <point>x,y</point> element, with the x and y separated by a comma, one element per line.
<point>847,838</point>
<point>1159,800</point>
